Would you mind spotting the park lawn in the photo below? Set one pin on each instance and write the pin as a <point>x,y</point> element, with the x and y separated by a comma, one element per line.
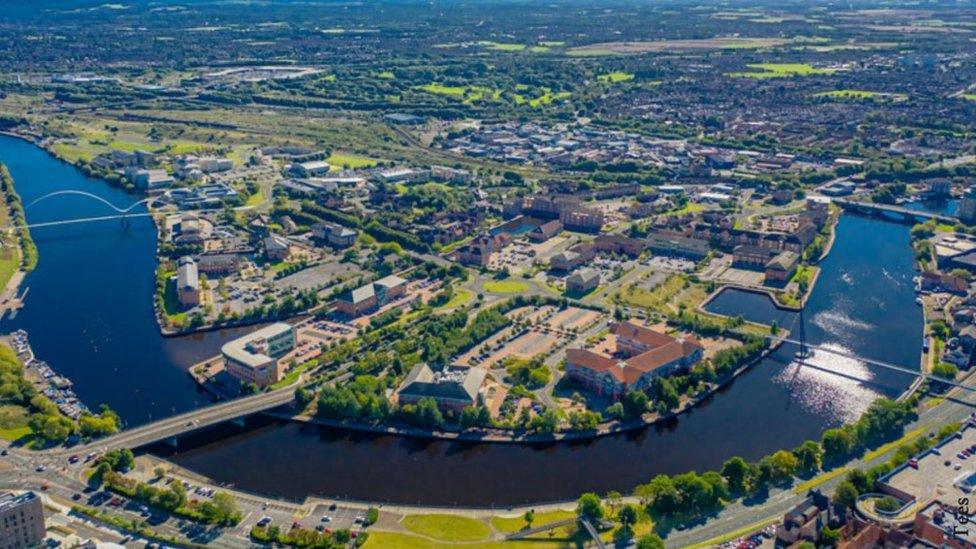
<point>510,525</point>
<point>656,299</point>
<point>395,540</point>
<point>15,433</point>
<point>7,269</point>
<point>780,70</point>
<point>688,208</point>
<point>506,286</point>
<point>352,161</point>
<point>539,49</point>
<point>460,297</point>
<point>171,303</point>
<point>13,422</point>
<point>616,76</point>
<point>969,96</point>
<point>451,528</point>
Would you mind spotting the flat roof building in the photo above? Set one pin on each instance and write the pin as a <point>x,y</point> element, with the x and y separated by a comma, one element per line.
<point>254,358</point>
<point>21,521</point>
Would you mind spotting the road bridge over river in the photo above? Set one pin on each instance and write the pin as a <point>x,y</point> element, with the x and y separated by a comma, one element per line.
<point>182,424</point>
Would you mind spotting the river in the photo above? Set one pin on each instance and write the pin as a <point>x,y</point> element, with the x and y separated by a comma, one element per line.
<point>89,307</point>
<point>89,314</point>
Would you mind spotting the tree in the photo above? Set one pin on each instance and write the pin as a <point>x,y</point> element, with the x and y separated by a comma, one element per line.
<point>845,495</point>
<point>650,541</point>
<point>628,514</point>
<point>736,473</point>
<point>808,456</point>
<point>623,534</point>
<point>837,444</point>
<point>784,465</point>
<point>546,422</point>
<point>696,493</point>
<point>666,393</point>
<point>589,506</point>
<point>428,414</point>
<point>529,517</point>
<point>660,494</point>
<point>635,403</point>
<point>945,371</point>
<point>829,536</point>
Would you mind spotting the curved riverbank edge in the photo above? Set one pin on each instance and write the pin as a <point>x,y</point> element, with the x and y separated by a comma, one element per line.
<point>503,437</point>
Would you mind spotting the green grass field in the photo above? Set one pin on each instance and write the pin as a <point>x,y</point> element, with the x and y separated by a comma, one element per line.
<point>255,199</point>
<point>506,286</point>
<point>780,70</point>
<point>7,269</point>
<point>451,528</point>
<point>459,298</point>
<point>501,46</point>
<point>509,525</point>
<point>969,96</point>
<point>468,94</point>
<point>351,161</point>
<point>616,76</point>
<point>13,422</point>
<point>171,303</point>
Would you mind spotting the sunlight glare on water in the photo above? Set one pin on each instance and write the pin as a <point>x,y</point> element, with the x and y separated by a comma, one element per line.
<point>830,384</point>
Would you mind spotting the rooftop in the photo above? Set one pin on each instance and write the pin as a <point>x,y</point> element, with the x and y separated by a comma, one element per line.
<point>240,351</point>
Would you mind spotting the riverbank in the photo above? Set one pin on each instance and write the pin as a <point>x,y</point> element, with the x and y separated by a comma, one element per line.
<point>501,436</point>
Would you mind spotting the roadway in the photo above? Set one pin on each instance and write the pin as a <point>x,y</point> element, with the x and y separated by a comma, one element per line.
<point>182,423</point>
<point>738,515</point>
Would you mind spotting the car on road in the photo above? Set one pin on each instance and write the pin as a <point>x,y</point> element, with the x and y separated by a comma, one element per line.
<point>40,468</point>
<point>326,518</point>
<point>265,520</point>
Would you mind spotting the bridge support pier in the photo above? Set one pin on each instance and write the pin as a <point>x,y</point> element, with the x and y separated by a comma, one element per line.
<point>173,441</point>
<point>239,421</point>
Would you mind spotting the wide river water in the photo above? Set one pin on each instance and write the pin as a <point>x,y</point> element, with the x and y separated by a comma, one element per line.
<point>89,314</point>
